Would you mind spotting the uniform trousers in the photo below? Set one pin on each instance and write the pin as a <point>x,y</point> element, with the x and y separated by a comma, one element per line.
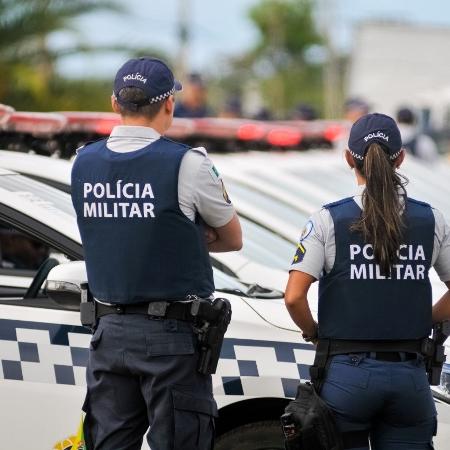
<point>141,376</point>
<point>391,401</point>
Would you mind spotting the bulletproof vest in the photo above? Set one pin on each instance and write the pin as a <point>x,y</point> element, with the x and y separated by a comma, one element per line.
<point>356,301</point>
<point>138,244</point>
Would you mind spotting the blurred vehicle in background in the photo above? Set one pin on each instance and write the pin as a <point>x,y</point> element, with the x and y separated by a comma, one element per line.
<point>61,133</point>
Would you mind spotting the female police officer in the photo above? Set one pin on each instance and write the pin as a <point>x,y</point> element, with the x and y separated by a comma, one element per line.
<point>371,253</point>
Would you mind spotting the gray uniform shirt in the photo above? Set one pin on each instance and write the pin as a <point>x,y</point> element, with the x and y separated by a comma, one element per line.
<point>200,187</point>
<point>319,246</point>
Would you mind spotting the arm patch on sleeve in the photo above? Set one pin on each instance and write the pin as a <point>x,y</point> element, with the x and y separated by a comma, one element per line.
<point>214,174</point>
<point>299,254</point>
<point>301,250</point>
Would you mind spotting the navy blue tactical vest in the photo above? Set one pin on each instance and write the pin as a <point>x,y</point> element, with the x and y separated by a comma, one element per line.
<point>138,244</point>
<point>357,302</point>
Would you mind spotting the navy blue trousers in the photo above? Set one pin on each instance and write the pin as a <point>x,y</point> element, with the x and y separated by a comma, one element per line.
<point>391,401</point>
<point>142,373</point>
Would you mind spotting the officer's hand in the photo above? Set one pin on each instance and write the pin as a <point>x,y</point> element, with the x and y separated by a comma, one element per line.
<point>210,234</point>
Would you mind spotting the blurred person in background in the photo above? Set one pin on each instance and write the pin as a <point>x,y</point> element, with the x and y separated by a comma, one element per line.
<point>194,99</point>
<point>263,113</point>
<point>232,108</point>
<point>304,111</point>
<point>354,108</point>
<point>414,140</point>
<point>371,254</point>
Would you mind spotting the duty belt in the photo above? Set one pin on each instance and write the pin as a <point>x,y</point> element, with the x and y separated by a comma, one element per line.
<point>326,348</point>
<point>179,310</point>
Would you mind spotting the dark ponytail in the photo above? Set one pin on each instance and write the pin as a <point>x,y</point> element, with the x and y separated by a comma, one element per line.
<point>381,221</point>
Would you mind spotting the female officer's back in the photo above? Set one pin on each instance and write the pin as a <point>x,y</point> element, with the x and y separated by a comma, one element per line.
<point>371,254</point>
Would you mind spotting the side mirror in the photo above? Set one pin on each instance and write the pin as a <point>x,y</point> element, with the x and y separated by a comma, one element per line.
<point>63,284</point>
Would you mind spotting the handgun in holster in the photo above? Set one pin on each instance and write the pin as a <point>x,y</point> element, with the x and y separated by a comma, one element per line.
<point>214,318</point>
<point>434,351</point>
<point>87,308</point>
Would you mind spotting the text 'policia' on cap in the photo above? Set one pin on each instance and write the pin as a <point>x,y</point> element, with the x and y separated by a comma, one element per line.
<point>151,75</point>
<point>374,127</point>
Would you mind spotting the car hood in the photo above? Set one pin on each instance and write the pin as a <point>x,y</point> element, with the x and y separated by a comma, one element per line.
<point>274,310</point>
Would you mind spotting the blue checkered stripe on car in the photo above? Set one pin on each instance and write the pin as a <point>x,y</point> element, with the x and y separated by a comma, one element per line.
<point>262,368</point>
<point>58,354</point>
<point>43,352</point>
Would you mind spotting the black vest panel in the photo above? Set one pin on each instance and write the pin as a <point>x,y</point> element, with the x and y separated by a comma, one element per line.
<point>357,302</point>
<point>138,244</point>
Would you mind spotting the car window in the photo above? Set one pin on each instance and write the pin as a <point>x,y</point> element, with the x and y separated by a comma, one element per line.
<point>38,193</point>
<point>265,247</point>
<point>21,255</point>
<point>276,206</point>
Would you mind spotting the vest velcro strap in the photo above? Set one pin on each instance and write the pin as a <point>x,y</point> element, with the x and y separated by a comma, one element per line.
<point>339,347</point>
<point>178,310</point>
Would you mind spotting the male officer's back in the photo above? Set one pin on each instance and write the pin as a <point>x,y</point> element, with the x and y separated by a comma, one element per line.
<point>148,209</point>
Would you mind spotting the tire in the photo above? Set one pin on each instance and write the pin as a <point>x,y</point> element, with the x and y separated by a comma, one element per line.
<point>266,435</point>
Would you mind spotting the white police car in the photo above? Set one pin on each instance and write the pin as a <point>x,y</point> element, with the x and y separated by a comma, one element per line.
<point>43,348</point>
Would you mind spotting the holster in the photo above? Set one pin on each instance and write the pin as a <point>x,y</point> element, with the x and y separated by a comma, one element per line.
<point>213,319</point>
<point>87,308</point>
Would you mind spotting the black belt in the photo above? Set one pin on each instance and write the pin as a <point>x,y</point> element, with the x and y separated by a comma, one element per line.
<point>179,310</point>
<point>340,346</point>
<point>392,356</point>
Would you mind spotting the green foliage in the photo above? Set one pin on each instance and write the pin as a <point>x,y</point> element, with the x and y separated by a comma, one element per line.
<point>285,26</point>
<point>27,79</point>
<point>287,30</point>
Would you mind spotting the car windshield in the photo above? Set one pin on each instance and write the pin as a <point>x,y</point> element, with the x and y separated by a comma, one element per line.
<point>38,193</point>
<point>276,206</point>
<point>224,282</point>
<point>265,247</point>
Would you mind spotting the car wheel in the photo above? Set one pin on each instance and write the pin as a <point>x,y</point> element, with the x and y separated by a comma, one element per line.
<point>265,435</point>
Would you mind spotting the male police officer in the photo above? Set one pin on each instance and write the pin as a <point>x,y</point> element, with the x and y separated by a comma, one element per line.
<point>148,209</point>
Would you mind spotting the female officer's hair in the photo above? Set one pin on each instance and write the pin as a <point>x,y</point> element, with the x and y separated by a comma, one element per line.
<point>134,95</point>
<point>381,221</point>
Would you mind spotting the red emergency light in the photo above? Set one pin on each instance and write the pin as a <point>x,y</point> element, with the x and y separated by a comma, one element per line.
<point>284,137</point>
<point>333,132</point>
<point>5,112</point>
<point>35,123</point>
<point>91,122</point>
<point>251,132</point>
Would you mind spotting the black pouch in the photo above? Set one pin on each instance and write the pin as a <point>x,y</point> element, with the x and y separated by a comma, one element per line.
<point>317,429</point>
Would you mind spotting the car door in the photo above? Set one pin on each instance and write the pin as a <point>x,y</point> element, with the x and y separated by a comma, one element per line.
<point>43,348</point>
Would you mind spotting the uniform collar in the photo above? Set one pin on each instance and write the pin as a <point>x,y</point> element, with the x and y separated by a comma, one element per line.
<point>128,131</point>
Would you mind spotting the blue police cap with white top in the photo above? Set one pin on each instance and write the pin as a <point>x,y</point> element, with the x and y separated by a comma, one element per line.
<point>371,128</point>
<point>151,75</point>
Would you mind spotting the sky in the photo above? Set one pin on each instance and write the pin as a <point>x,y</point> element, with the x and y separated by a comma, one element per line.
<point>221,28</point>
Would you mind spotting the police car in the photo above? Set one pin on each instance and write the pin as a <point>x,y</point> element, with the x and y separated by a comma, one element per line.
<point>43,348</point>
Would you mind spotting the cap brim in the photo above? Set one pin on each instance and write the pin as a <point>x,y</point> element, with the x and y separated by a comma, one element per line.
<point>178,86</point>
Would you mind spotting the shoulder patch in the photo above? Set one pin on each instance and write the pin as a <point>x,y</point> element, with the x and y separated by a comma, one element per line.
<point>225,193</point>
<point>299,254</point>
<point>308,228</point>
